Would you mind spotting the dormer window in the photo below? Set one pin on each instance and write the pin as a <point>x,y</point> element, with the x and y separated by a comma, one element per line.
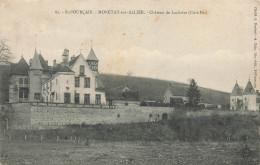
<point>82,70</point>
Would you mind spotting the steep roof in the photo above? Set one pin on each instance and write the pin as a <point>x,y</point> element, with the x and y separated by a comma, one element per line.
<point>21,68</point>
<point>249,90</point>
<point>72,62</point>
<point>236,91</point>
<point>36,64</point>
<point>43,62</point>
<point>92,56</point>
<point>60,68</point>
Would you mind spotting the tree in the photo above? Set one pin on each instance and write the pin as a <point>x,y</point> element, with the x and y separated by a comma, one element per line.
<point>5,52</point>
<point>193,94</point>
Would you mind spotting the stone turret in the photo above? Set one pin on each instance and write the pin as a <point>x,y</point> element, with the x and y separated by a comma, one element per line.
<point>236,98</point>
<point>35,75</point>
<point>92,61</point>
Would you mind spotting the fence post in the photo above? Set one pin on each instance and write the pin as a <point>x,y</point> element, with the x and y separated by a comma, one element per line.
<point>25,137</point>
<point>41,138</point>
<point>57,138</point>
<point>10,137</point>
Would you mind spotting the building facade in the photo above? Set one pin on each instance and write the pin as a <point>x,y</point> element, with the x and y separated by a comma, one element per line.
<point>249,99</point>
<point>72,81</point>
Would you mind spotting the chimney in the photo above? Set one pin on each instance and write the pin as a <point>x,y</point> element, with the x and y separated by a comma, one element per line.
<point>46,62</point>
<point>54,63</point>
<point>72,58</point>
<point>65,57</point>
<point>30,62</point>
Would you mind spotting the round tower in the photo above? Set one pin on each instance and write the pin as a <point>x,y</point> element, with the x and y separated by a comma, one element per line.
<point>35,75</point>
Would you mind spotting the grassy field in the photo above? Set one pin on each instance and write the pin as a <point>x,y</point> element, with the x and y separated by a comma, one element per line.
<point>214,139</point>
<point>138,152</point>
<point>153,89</point>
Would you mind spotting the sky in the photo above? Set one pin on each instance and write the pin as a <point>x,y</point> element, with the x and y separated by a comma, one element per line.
<point>215,49</point>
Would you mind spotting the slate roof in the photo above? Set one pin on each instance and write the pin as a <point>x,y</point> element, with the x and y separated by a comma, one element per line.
<point>43,63</point>
<point>236,91</point>
<point>72,62</point>
<point>60,68</point>
<point>21,68</point>
<point>92,56</point>
<point>249,90</point>
<point>36,64</point>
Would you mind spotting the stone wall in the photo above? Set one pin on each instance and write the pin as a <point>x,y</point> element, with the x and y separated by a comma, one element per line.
<point>26,116</point>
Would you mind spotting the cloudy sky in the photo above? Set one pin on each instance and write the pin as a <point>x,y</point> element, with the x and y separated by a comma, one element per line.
<point>214,48</point>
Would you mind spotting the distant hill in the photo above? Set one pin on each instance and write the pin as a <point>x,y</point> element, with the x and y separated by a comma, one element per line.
<point>153,89</point>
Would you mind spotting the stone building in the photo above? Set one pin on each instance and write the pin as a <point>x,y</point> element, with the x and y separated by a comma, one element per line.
<point>75,81</point>
<point>72,81</point>
<point>176,94</point>
<point>249,99</point>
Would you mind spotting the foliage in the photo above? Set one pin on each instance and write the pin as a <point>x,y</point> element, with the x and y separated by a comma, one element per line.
<point>193,94</point>
<point>5,52</point>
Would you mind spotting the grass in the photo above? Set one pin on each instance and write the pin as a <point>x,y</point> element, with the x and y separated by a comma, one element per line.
<point>153,89</point>
<point>138,152</point>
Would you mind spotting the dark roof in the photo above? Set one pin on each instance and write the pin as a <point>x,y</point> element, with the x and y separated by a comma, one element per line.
<point>249,90</point>
<point>237,91</point>
<point>21,68</point>
<point>177,100</point>
<point>36,64</point>
<point>92,56</point>
<point>72,62</point>
<point>60,68</point>
<point>43,63</point>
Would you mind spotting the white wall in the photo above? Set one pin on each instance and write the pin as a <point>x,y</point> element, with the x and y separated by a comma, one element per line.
<point>88,73</point>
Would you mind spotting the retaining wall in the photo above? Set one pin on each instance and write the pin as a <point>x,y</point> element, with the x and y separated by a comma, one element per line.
<point>26,116</point>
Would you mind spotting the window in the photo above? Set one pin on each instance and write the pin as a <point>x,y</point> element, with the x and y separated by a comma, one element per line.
<point>66,97</point>
<point>20,94</point>
<point>87,82</point>
<point>77,82</point>
<point>26,93</point>
<point>50,85</point>
<point>56,96</point>
<point>245,98</point>
<point>20,80</point>
<point>98,99</point>
<point>37,96</point>
<point>76,98</point>
<point>81,70</point>
<point>23,93</point>
<point>86,99</point>
<point>26,81</point>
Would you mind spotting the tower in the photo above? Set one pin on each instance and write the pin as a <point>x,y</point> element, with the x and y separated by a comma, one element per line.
<point>249,97</point>
<point>236,98</point>
<point>65,57</point>
<point>92,61</point>
<point>35,76</point>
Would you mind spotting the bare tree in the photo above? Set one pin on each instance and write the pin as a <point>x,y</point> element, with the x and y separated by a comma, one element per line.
<point>5,52</point>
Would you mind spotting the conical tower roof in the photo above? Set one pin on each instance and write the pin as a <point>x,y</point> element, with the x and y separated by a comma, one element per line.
<point>36,64</point>
<point>236,90</point>
<point>249,90</point>
<point>92,56</point>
